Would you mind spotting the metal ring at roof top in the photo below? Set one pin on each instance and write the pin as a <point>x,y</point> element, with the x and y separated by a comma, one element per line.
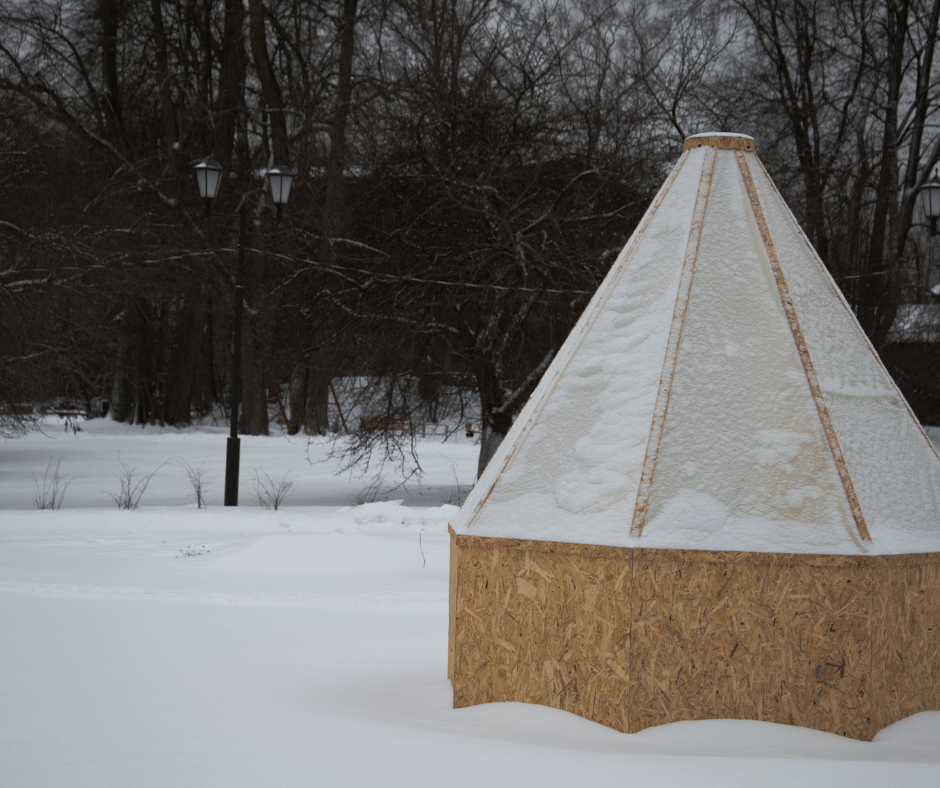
<point>730,141</point>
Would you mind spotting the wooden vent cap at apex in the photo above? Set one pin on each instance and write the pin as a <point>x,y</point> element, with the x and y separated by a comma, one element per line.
<point>716,140</point>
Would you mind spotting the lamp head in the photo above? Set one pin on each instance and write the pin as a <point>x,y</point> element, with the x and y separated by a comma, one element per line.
<point>930,200</point>
<point>280,177</point>
<point>208,178</point>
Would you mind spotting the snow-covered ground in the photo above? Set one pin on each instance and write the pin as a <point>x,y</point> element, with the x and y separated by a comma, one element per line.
<point>101,452</point>
<point>305,646</point>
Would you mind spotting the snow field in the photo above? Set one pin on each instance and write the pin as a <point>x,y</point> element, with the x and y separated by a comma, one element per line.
<point>306,646</point>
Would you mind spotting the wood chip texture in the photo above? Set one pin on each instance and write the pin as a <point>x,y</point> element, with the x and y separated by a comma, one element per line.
<point>632,638</point>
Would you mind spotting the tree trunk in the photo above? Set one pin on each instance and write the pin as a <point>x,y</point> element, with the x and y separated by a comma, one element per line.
<point>917,169</point>
<point>231,81</point>
<point>111,100</point>
<point>429,390</point>
<point>253,419</point>
<point>167,114</point>
<point>489,443</point>
<point>316,411</point>
<point>185,361</point>
<point>879,292</point>
<point>122,393</point>
<point>337,161</point>
<point>270,90</point>
<point>496,420</point>
<point>296,399</point>
<point>144,372</point>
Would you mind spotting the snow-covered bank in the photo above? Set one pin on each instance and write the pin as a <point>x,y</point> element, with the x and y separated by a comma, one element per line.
<point>93,460</point>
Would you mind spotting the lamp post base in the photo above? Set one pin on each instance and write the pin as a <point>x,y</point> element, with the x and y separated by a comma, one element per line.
<point>232,452</point>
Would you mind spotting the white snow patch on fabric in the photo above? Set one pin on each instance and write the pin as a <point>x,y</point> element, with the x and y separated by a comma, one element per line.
<point>596,397</point>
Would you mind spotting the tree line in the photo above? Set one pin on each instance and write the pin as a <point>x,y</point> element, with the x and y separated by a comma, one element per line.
<point>468,171</point>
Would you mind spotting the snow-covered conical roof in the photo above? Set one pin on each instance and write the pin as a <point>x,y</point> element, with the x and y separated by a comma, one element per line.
<point>717,393</point>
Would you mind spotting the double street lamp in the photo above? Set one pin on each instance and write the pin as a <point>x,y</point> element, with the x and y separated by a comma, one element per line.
<point>930,200</point>
<point>209,177</point>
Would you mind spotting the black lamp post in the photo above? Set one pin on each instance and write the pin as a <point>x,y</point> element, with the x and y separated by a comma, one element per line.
<point>930,199</point>
<point>209,178</point>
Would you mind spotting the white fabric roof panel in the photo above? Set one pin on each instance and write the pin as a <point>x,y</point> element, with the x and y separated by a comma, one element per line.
<point>892,463</point>
<point>681,387</point>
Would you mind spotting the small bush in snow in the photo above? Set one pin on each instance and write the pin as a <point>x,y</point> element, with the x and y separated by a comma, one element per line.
<point>272,492</point>
<point>196,476</point>
<point>460,491</point>
<point>133,486</point>
<point>50,495</point>
<point>371,492</point>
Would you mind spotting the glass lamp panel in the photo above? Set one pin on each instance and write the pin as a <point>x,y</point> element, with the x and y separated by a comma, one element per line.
<point>202,180</point>
<point>209,177</point>
<point>280,179</point>
<point>932,198</point>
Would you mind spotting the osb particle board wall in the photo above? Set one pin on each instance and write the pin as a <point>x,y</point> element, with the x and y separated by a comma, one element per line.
<point>633,638</point>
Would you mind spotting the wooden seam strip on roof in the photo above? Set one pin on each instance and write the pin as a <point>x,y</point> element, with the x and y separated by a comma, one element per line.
<point>802,350</point>
<point>672,347</point>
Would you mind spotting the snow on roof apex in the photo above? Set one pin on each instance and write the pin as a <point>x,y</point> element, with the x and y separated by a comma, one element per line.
<point>719,134</point>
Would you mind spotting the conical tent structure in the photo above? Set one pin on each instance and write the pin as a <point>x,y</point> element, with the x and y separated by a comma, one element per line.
<point>717,502</point>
